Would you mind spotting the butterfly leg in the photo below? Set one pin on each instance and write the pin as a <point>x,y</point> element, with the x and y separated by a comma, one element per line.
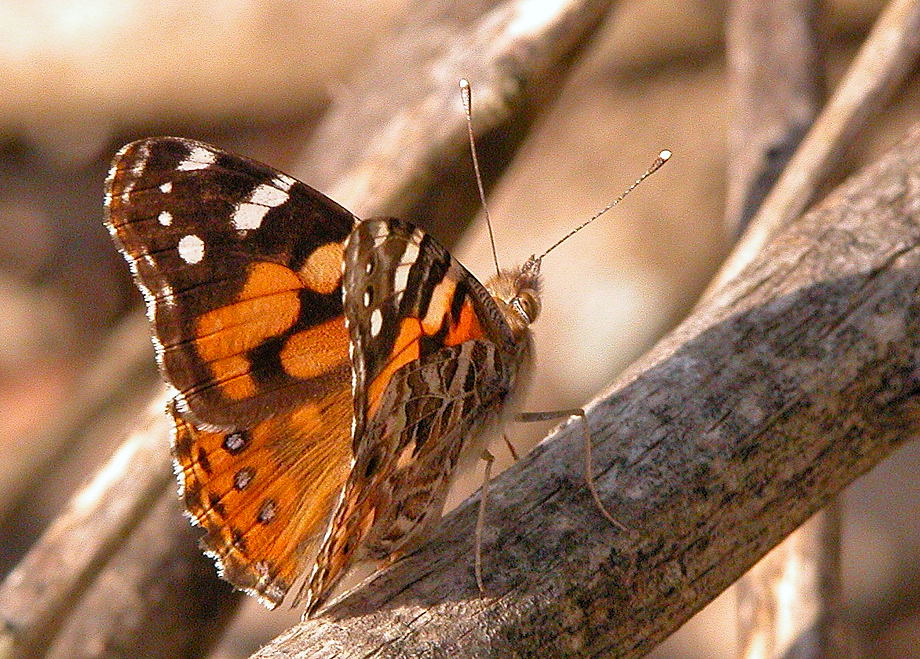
<point>529,417</point>
<point>514,453</point>
<point>481,518</point>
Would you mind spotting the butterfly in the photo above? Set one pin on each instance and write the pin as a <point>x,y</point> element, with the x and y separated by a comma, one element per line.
<point>329,373</point>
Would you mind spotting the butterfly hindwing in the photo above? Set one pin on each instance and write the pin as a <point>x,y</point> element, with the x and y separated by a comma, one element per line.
<point>264,494</point>
<point>241,269</point>
<point>434,361</point>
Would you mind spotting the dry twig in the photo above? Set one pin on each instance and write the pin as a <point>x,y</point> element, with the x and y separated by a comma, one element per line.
<point>884,61</point>
<point>775,86</point>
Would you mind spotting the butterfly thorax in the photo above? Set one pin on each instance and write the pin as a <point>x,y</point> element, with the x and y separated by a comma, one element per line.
<point>517,294</point>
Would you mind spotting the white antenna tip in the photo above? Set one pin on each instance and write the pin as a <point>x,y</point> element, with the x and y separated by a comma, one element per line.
<point>466,96</point>
<point>664,155</point>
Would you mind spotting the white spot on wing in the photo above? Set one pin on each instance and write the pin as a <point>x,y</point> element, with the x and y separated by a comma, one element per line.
<point>198,158</point>
<point>401,276</point>
<point>249,214</point>
<point>381,236</point>
<point>268,195</point>
<point>166,188</point>
<point>191,249</point>
<point>376,322</point>
<point>283,181</point>
<point>165,218</point>
<point>411,253</point>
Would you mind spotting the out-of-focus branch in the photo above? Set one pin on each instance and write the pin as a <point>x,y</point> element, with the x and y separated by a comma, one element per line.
<point>775,89</point>
<point>36,597</point>
<point>884,61</point>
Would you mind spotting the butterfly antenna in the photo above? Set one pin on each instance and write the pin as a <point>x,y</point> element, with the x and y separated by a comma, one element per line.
<point>659,161</point>
<point>467,97</point>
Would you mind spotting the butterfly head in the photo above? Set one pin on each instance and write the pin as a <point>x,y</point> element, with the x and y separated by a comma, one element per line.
<point>517,293</point>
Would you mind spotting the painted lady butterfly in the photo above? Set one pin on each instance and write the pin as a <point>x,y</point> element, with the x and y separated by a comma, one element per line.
<point>330,373</point>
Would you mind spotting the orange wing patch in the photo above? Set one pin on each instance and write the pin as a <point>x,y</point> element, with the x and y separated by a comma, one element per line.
<point>264,495</point>
<point>466,328</point>
<point>322,270</point>
<point>315,351</point>
<point>267,306</point>
<point>407,349</point>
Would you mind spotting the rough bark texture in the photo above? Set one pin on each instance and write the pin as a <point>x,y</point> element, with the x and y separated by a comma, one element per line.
<point>777,392</point>
<point>791,598</point>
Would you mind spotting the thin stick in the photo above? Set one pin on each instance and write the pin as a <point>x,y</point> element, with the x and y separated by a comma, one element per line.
<point>885,59</point>
<point>481,518</point>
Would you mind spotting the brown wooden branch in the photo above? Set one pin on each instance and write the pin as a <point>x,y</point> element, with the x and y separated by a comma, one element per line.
<point>789,603</point>
<point>775,85</point>
<point>886,58</point>
<point>775,82</point>
<point>385,144</point>
<point>37,596</point>
<point>171,598</point>
<point>790,382</point>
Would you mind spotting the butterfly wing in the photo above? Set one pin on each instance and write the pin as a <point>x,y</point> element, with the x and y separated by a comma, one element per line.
<point>240,266</point>
<point>264,494</point>
<point>433,361</point>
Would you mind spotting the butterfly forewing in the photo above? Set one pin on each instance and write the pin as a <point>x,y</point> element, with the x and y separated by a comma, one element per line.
<point>241,269</point>
<point>259,289</point>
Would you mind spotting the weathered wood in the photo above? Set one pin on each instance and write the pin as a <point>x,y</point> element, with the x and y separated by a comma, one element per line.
<point>412,158</point>
<point>775,84</point>
<point>791,381</point>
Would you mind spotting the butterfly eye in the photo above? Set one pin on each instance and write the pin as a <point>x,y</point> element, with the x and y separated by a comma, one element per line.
<point>527,305</point>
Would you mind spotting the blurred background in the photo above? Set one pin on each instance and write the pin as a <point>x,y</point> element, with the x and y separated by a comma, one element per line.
<point>81,79</point>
